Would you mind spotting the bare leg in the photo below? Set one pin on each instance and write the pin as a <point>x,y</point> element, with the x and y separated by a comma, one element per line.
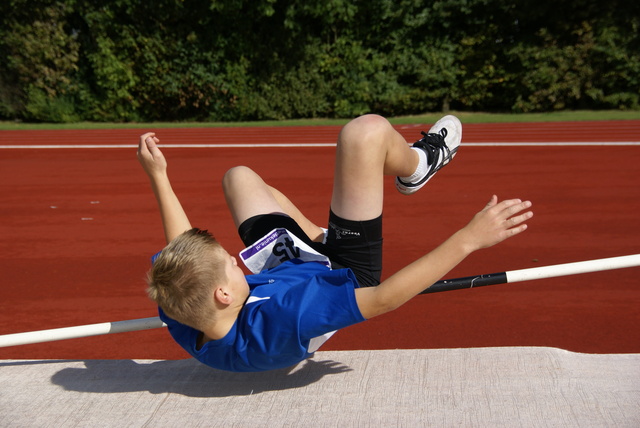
<point>248,195</point>
<point>368,148</point>
<point>314,232</point>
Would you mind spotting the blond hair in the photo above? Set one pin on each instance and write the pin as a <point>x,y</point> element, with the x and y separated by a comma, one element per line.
<point>183,277</point>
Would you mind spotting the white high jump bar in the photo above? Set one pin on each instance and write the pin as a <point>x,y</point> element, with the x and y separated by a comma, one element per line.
<point>80,331</point>
<point>445,285</point>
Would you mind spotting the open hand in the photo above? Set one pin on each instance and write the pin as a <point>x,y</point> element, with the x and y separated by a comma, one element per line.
<point>150,156</point>
<point>497,222</point>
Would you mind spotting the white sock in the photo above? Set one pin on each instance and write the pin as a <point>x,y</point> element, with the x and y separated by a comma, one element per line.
<point>421,170</point>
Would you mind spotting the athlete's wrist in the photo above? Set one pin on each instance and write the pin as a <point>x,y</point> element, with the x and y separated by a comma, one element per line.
<point>464,241</point>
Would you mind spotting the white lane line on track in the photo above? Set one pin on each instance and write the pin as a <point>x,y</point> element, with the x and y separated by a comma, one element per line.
<point>280,145</point>
<point>560,144</point>
<point>164,146</point>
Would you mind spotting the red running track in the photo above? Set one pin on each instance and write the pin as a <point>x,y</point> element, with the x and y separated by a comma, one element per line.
<point>78,226</point>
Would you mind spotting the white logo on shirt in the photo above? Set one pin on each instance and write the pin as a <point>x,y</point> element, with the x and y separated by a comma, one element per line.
<point>253,299</point>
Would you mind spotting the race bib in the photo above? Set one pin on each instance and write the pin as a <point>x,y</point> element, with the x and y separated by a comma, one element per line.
<point>276,247</point>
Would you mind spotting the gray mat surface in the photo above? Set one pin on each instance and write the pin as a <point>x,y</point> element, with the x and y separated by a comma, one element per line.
<point>483,387</point>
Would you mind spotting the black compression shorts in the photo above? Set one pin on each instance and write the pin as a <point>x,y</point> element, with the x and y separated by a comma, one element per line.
<point>349,244</point>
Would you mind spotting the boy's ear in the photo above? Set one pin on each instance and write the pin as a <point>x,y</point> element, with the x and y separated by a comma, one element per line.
<point>221,296</point>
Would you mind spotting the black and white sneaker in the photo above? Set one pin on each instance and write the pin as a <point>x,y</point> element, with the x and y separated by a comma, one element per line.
<point>440,144</point>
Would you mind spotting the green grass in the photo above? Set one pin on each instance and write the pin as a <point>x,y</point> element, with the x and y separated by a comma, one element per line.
<point>561,116</point>
<point>580,115</point>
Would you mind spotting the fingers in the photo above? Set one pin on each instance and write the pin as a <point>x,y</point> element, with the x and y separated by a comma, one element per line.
<point>509,208</point>
<point>508,214</point>
<point>498,221</point>
<point>144,139</point>
<point>142,146</point>
<point>152,142</point>
<point>492,202</point>
<point>148,144</point>
<point>514,221</point>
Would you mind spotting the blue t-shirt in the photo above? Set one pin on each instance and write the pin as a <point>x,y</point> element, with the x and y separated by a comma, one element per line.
<point>289,309</point>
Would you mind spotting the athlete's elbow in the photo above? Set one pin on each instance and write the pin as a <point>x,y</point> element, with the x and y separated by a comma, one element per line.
<point>374,301</point>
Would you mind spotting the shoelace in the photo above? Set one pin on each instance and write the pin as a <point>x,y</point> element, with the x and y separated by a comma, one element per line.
<point>432,143</point>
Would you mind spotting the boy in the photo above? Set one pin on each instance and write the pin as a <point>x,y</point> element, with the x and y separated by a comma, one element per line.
<point>308,282</point>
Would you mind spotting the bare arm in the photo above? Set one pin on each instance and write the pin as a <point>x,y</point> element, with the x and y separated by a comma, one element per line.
<point>174,219</point>
<point>495,223</point>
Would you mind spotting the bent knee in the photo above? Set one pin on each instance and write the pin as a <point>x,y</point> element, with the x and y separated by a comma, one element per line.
<point>367,129</point>
<point>238,174</point>
<point>367,123</point>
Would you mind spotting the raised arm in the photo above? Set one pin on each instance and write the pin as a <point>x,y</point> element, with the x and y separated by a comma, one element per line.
<point>174,219</point>
<point>495,223</point>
